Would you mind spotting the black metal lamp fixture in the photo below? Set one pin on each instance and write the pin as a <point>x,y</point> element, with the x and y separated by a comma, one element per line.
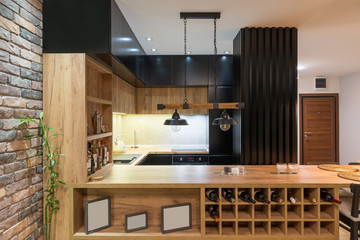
<point>175,120</point>
<point>224,121</point>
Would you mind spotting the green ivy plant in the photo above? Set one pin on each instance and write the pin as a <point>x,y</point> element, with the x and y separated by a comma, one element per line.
<point>50,157</point>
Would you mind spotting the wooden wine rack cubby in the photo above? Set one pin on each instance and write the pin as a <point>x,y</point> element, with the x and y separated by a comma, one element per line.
<point>300,220</point>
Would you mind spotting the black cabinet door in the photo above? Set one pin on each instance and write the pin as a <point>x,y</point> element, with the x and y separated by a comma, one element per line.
<point>157,159</point>
<point>160,68</point>
<point>224,70</point>
<point>221,160</point>
<point>196,67</point>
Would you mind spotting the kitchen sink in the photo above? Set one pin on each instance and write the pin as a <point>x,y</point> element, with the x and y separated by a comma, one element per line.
<point>125,159</point>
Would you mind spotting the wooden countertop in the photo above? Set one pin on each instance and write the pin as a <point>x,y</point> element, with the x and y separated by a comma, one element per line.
<point>197,176</point>
<point>144,151</point>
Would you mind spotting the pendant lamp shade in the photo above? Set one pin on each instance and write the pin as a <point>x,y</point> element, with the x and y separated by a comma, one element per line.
<point>175,120</point>
<point>225,121</point>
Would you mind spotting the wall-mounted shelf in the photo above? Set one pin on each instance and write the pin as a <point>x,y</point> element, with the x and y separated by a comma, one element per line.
<point>98,136</point>
<point>98,100</point>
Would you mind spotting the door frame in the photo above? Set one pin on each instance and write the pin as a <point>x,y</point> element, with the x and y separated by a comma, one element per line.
<point>301,97</point>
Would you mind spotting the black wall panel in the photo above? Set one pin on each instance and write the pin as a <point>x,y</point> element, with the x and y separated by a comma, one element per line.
<point>265,71</point>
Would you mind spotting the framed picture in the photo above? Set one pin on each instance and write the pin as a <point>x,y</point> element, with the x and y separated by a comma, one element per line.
<point>136,221</point>
<point>176,217</point>
<point>97,214</point>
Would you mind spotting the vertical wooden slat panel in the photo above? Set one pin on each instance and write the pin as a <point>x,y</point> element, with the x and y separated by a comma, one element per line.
<point>267,75</point>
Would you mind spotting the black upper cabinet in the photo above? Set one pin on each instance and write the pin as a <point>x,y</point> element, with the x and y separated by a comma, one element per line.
<point>197,67</point>
<point>160,70</point>
<point>69,28</point>
<point>224,70</point>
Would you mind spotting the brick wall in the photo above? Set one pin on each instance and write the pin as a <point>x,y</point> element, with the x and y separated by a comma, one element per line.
<point>20,97</point>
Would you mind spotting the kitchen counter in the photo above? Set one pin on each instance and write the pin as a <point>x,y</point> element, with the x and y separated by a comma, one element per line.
<point>145,151</point>
<point>196,176</point>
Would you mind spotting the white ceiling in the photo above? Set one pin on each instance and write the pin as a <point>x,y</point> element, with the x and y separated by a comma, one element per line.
<point>328,30</point>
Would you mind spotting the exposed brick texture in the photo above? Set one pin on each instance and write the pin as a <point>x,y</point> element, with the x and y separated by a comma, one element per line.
<point>21,194</point>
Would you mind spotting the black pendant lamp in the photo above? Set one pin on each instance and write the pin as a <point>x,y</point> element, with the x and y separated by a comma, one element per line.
<point>224,121</point>
<point>175,120</point>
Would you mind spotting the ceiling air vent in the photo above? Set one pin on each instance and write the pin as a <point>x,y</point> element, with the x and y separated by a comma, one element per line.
<point>320,83</point>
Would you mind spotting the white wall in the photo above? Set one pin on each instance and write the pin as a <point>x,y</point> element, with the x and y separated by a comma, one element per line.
<point>150,130</point>
<point>306,85</point>
<point>349,118</point>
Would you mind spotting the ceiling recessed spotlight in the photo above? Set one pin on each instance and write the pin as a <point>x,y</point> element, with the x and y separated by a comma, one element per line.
<point>188,52</point>
<point>226,52</point>
<point>148,39</point>
<point>153,49</point>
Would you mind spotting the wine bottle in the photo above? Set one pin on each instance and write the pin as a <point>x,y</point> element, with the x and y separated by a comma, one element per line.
<point>309,198</point>
<point>88,162</point>
<point>212,195</point>
<point>275,197</point>
<point>291,197</point>
<point>245,196</point>
<point>94,155</point>
<point>214,213</point>
<point>260,197</point>
<point>328,197</point>
<point>228,195</point>
<point>106,154</point>
<point>92,164</point>
<point>99,155</point>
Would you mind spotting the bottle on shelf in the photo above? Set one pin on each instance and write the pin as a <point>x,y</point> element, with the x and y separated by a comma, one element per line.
<point>291,197</point>
<point>228,194</point>
<point>214,213</point>
<point>88,162</point>
<point>212,195</point>
<point>328,197</point>
<point>99,155</point>
<point>245,196</point>
<point>275,197</point>
<point>95,156</point>
<point>309,198</point>
<point>97,122</point>
<point>261,197</point>
<point>106,153</point>
<point>92,163</point>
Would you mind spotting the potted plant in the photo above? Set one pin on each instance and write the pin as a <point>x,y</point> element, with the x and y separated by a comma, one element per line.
<point>50,157</point>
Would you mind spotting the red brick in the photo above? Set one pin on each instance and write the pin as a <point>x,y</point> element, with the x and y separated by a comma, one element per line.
<point>14,208</point>
<point>2,192</point>
<point>33,104</point>
<point>20,61</point>
<point>30,55</point>
<point>1,170</point>
<point>6,112</point>
<point>31,162</point>
<point>5,202</point>
<point>12,167</point>
<point>9,25</point>
<point>34,217</point>
<point>36,85</point>
<point>34,124</point>
<point>36,4</point>
<point>14,102</point>
<point>17,197</point>
<point>17,145</point>
<point>9,47</point>
<point>9,124</point>
<point>35,142</point>
<point>27,231</point>
<point>24,113</point>
<point>9,68</point>
<point>9,222</point>
<point>22,22</point>
<point>36,179</point>
<point>17,186</point>
<point>22,42</point>
<point>19,175</point>
<point>9,90</point>
<point>2,147</point>
<point>14,230</point>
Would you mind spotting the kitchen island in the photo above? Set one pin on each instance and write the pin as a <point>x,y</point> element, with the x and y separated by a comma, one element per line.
<point>135,189</point>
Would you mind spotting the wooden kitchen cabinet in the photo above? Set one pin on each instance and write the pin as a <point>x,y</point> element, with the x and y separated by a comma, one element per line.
<point>148,98</point>
<point>124,96</point>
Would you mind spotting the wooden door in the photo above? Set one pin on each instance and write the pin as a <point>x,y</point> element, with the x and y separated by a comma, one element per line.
<point>319,128</point>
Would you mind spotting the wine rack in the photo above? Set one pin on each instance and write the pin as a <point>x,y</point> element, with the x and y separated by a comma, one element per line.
<point>301,219</point>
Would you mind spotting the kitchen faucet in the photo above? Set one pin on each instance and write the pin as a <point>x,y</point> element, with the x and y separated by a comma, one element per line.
<point>135,140</point>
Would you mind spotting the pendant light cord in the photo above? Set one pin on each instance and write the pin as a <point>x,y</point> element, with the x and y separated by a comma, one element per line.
<point>185,65</point>
<point>215,53</point>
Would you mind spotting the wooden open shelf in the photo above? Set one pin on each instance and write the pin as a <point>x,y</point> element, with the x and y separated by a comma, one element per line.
<point>98,100</point>
<point>98,136</point>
